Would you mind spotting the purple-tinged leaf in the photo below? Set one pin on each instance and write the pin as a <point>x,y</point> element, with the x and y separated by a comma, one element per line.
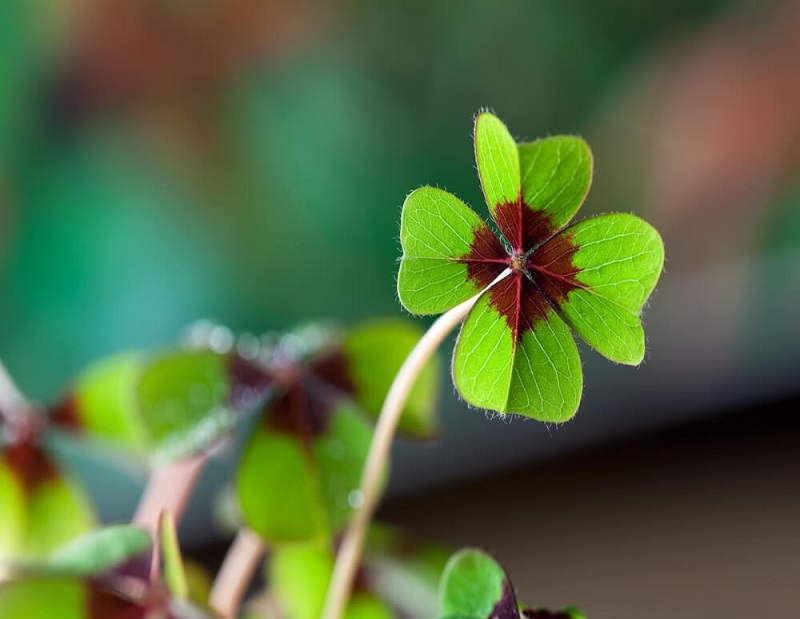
<point>475,585</point>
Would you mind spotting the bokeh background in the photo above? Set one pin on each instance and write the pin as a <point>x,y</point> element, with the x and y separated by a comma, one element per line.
<point>245,161</point>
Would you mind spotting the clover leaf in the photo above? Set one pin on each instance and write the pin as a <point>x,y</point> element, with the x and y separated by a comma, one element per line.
<point>105,574</point>
<point>515,352</point>
<point>475,586</point>
<point>42,507</point>
<point>320,390</point>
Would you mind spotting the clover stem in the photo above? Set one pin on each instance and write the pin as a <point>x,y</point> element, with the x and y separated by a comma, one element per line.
<point>235,573</point>
<point>168,490</point>
<point>352,544</point>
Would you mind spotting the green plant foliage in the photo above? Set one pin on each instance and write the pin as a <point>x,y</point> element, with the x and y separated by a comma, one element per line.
<point>475,586</point>
<point>294,487</point>
<point>515,352</point>
<point>165,406</point>
<point>65,598</point>
<point>300,471</point>
<point>71,597</point>
<point>375,351</point>
<point>12,515</point>
<point>105,574</point>
<point>299,576</point>
<point>41,507</point>
<point>436,230</point>
<point>58,510</point>
<point>101,550</point>
<point>184,400</point>
<point>398,577</point>
<point>104,404</point>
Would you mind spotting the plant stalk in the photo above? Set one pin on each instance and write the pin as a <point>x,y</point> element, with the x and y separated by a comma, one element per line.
<point>168,490</point>
<point>236,573</point>
<point>352,545</point>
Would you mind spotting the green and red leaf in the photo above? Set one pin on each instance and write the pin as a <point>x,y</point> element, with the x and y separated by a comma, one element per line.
<point>556,174</point>
<point>103,403</point>
<point>448,251</point>
<point>516,352</point>
<point>474,585</point>
<point>42,508</point>
<point>307,452</point>
<point>166,406</point>
<point>498,162</point>
<point>616,264</point>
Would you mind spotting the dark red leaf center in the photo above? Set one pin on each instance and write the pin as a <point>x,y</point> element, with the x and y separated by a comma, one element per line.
<point>306,394</point>
<point>539,256</point>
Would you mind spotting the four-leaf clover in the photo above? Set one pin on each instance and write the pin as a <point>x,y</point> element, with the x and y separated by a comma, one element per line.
<point>515,352</point>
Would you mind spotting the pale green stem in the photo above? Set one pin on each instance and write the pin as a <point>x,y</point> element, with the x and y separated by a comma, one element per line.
<point>352,545</point>
<point>236,573</point>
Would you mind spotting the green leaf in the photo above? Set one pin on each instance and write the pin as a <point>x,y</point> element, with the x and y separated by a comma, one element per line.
<point>340,454</point>
<point>437,231</point>
<point>184,402</point>
<point>297,488</point>
<point>474,585</point>
<point>619,260</point>
<point>365,606</point>
<point>64,598</point>
<point>556,174</point>
<point>523,364</point>
<point>45,508</point>
<point>101,550</point>
<point>300,574</point>
<point>58,511</point>
<point>104,403</point>
<point>13,513</point>
<point>278,489</point>
<point>498,161</point>
<point>375,351</point>
<point>173,569</point>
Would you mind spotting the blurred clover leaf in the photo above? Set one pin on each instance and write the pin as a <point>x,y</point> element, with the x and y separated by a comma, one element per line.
<point>41,506</point>
<point>300,574</point>
<point>101,550</point>
<point>105,574</point>
<point>515,352</point>
<point>299,474</point>
<point>398,577</point>
<point>167,406</point>
<point>475,586</point>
